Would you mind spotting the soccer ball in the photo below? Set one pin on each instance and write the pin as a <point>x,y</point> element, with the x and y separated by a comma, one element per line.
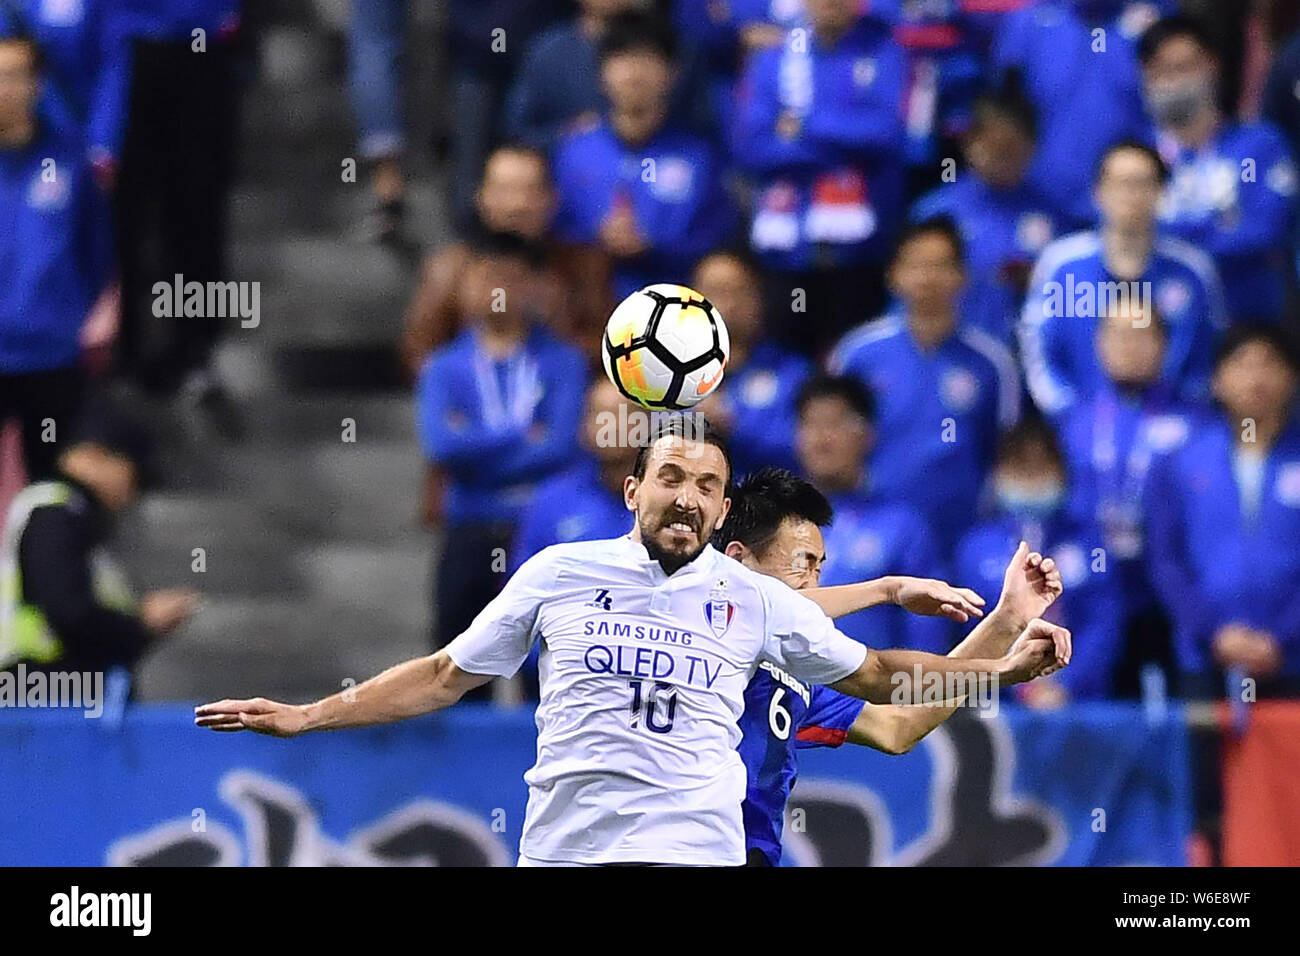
<point>665,347</point>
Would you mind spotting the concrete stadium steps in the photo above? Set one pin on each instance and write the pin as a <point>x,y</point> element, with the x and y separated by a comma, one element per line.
<point>316,570</point>
<point>283,648</point>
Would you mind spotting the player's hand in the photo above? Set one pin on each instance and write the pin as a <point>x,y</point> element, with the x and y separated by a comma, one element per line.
<point>934,598</point>
<point>1029,586</point>
<point>258,714</point>
<point>161,612</point>
<point>1041,649</point>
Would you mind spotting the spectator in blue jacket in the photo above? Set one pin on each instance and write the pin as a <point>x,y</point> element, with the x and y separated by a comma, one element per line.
<point>1004,220</point>
<point>1077,60</point>
<point>559,81</point>
<point>818,127</point>
<point>1126,261</point>
<point>1030,490</point>
<point>86,70</point>
<point>871,535</point>
<point>944,389</point>
<point>497,411</point>
<point>55,260</point>
<point>1232,188</point>
<point>645,190</point>
<point>1110,443</point>
<point>945,69</point>
<point>755,411</point>
<point>1223,522</point>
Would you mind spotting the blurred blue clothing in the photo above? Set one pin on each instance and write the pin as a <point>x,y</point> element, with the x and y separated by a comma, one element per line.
<point>782,715</point>
<point>1058,327</point>
<point>672,184</point>
<point>87,66</point>
<point>818,130</point>
<point>575,505</point>
<point>871,537</point>
<point>1218,562</point>
<point>376,36</point>
<point>55,251</point>
<point>499,426</point>
<point>559,80</point>
<point>1004,231</point>
<point>1110,443</point>
<point>938,416</point>
<point>1245,224</point>
<point>760,398</point>
<point>945,70</point>
<point>176,20</point>
<point>1091,604</point>
<point>1087,98</point>
<point>1281,104</point>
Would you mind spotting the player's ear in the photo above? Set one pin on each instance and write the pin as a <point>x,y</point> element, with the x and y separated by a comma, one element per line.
<point>726,507</point>
<point>737,550</point>
<point>630,486</point>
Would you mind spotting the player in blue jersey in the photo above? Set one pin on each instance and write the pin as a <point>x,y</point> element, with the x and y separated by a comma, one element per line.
<point>774,527</point>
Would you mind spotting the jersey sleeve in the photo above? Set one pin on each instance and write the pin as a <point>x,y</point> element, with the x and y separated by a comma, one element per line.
<point>498,640</point>
<point>828,718</point>
<point>801,639</point>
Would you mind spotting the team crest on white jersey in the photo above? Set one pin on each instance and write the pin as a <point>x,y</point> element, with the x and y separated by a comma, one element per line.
<point>718,611</point>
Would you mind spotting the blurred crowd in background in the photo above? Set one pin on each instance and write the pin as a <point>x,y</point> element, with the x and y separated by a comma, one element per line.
<point>992,269</point>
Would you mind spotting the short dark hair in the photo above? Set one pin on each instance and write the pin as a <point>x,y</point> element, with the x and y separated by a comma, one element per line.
<point>844,387</point>
<point>638,30</point>
<point>689,426</point>
<point>1167,28</point>
<point>1241,334</point>
<point>762,500</point>
<point>1137,146</point>
<point>1031,430</point>
<point>1006,99</point>
<point>944,226</point>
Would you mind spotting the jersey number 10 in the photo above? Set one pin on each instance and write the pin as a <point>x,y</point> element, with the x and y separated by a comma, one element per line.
<point>660,692</point>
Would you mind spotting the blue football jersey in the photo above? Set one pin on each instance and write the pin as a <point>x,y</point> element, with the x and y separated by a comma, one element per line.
<point>782,714</point>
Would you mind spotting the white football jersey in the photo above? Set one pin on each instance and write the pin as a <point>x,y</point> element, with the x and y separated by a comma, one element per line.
<point>642,684</point>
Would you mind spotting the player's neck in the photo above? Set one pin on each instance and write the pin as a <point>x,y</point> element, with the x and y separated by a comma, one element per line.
<point>670,563</point>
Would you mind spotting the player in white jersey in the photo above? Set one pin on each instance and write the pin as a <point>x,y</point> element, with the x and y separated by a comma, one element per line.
<point>647,644</point>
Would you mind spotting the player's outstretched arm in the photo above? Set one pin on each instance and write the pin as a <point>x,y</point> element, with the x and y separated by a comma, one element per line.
<point>928,596</point>
<point>896,729</point>
<point>1030,584</point>
<point>409,689</point>
<point>898,676</point>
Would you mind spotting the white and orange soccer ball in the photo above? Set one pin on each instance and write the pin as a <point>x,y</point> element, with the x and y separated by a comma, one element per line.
<point>665,347</point>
